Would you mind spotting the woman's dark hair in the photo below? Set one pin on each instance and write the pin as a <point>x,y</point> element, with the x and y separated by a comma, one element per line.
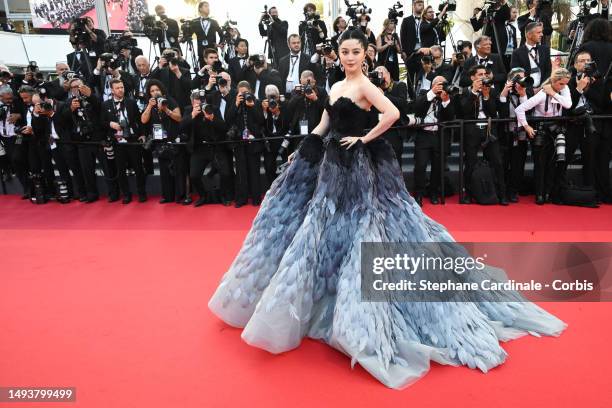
<point>597,30</point>
<point>354,34</point>
<point>157,83</point>
<point>336,23</point>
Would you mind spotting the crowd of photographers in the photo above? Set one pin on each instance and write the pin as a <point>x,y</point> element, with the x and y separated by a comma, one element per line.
<point>212,116</point>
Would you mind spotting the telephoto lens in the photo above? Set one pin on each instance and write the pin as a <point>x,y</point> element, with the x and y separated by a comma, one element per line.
<point>560,147</point>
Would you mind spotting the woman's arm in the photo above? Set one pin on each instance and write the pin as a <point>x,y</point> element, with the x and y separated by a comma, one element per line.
<point>174,114</point>
<point>389,113</point>
<point>564,98</point>
<point>528,105</point>
<point>323,125</point>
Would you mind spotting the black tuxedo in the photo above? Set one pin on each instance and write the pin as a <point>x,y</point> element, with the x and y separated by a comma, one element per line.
<point>236,71</point>
<point>210,38</point>
<point>56,91</point>
<point>520,58</point>
<point>126,156</point>
<point>524,20</point>
<point>311,35</point>
<point>274,127</point>
<point>427,144</point>
<point>431,34</point>
<point>397,93</point>
<point>601,53</point>
<point>408,35</point>
<point>299,107</point>
<point>494,62</point>
<point>277,37</point>
<point>98,83</point>
<point>171,34</point>
<point>501,16</point>
<point>284,67</point>
<point>79,64</point>
<point>178,88</point>
<point>266,77</point>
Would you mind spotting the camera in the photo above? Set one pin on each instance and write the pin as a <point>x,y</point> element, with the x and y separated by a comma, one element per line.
<point>248,97</point>
<point>451,90</point>
<point>266,18</point>
<point>586,112</point>
<point>220,80</point>
<point>376,78</point>
<point>590,70</point>
<point>394,14</point>
<point>186,30</point>
<point>110,60</point>
<point>161,101</point>
<point>69,75</point>
<point>525,82</point>
<point>226,34</point>
<point>487,82</point>
<point>152,28</point>
<point>427,59</point>
<point>46,106</point>
<point>452,5</point>
<point>325,48</point>
<point>117,42</point>
<point>305,89</point>
<point>354,11</point>
<point>79,31</point>
<point>272,103</point>
<point>32,67</point>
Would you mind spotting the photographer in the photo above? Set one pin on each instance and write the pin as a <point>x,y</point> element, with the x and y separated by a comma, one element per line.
<point>410,35</point>
<point>211,67</point>
<point>597,41</point>
<point>203,124</point>
<point>397,93</point>
<point>585,16</point>
<point>58,88</point>
<point>107,70</point>
<point>275,29</point>
<point>139,81</point>
<point>238,66</point>
<point>12,119</point>
<point>50,127</point>
<point>260,76</point>
<point>431,34</point>
<point>276,123</point>
<point>312,30</point>
<point>484,57</point>
<point>585,132</point>
<point>84,36</point>
<point>364,20</point>
<point>305,108</point>
<point>82,112</point>
<point>121,121</point>
<point>494,17</point>
<point>540,11</point>
<point>389,48</point>
<point>425,75</point>
<point>169,33</point>
<point>479,102</point>
<point>548,102</point>
<point>515,92</point>
<point>160,121</point>
<point>128,51</point>
<point>291,66</point>
<point>339,26</point>
<point>207,30</point>
<point>533,57</point>
<point>245,119</point>
<point>329,71</point>
<point>463,51</point>
<point>176,79</point>
<point>433,107</point>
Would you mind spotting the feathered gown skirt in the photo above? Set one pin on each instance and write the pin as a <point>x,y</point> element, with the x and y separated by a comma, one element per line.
<point>298,272</point>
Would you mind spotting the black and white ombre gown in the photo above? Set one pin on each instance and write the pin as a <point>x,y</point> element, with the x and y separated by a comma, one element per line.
<point>298,271</point>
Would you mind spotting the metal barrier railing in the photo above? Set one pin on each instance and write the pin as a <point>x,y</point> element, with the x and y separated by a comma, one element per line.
<point>442,126</point>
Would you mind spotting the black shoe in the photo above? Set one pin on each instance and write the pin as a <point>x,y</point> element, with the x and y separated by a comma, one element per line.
<point>165,201</point>
<point>201,201</point>
<point>26,196</point>
<point>465,200</point>
<point>238,205</point>
<point>419,199</point>
<point>513,198</point>
<point>540,200</point>
<point>434,199</point>
<point>112,199</point>
<point>142,198</point>
<point>226,203</point>
<point>92,199</point>
<point>503,201</point>
<point>187,201</point>
<point>83,199</point>
<point>127,199</point>
<point>256,203</point>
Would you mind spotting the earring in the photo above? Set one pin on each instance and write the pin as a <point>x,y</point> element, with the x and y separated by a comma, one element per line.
<point>341,67</point>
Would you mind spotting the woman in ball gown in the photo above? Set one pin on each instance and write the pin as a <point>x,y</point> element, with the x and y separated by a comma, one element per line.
<point>298,272</point>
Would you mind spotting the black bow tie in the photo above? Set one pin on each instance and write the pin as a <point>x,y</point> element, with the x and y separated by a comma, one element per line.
<point>205,18</point>
<point>293,56</point>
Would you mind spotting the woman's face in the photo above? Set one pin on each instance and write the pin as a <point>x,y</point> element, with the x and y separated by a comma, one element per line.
<point>371,53</point>
<point>560,84</point>
<point>352,55</point>
<point>155,91</point>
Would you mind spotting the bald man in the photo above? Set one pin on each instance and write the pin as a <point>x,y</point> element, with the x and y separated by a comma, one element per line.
<point>58,88</point>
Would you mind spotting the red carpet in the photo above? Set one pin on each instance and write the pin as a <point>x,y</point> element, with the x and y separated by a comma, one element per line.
<point>112,300</point>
